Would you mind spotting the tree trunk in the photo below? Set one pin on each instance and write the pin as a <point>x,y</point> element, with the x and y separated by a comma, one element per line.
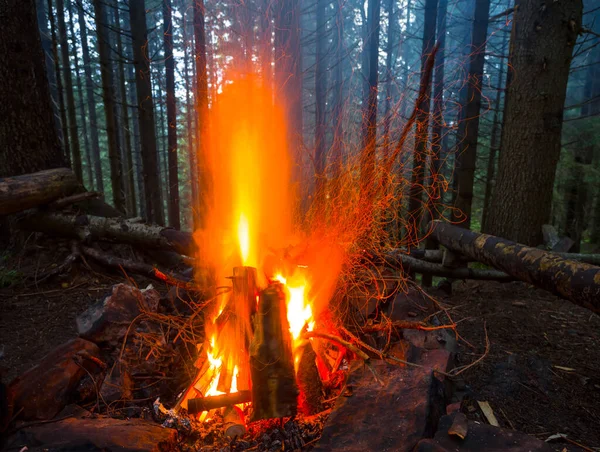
<point>31,190</point>
<point>572,280</point>
<point>369,122</point>
<point>390,62</point>
<point>143,82</point>
<point>320,98</point>
<point>127,153</point>
<point>491,165</point>
<point>174,220</point>
<point>542,43</point>
<point>91,101</point>
<point>201,99</point>
<point>419,160</point>
<point>288,71</point>
<point>338,103</point>
<point>86,143</point>
<point>191,148</point>
<point>108,95</point>
<point>42,17</point>
<point>27,133</point>
<point>468,129</point>
<point>68,79</point>
<point>64,135</point>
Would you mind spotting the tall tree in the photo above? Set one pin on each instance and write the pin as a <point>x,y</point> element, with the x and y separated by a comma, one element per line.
<point>494,139</point>
<point>369,124</point>
<point>108,94</point>
<point>64,135</point>
<point>338,99</point>
<point>390,62</point>
<point>420,154</point>
<point>42,18</point>
<point>30,140</point>
<point>201,105</point>
<point>127,154</point>
<point>288,68</point>
<point>90,99</point>
<point>468,129</point>
<point>542,41</point>
<point>143,83</point>
<point>68,79</point>
<point>174,220</point>
<point>81,106</point>
<point>320,97</point>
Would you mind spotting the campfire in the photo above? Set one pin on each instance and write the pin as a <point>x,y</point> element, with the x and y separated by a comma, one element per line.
<point>254,349</point>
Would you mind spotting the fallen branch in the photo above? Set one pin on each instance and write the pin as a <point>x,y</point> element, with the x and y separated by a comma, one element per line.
<point>406,325</point>
<point>69,200</point>
<point>140,268</point>
<point>410,264</point>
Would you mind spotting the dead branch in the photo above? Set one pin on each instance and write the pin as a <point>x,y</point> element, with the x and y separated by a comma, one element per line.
<point>201,404</point>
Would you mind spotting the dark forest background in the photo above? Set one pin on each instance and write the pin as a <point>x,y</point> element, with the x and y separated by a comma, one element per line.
<point>505,139</point>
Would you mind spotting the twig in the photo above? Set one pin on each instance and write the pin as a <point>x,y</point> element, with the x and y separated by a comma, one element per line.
<point>346,344</point>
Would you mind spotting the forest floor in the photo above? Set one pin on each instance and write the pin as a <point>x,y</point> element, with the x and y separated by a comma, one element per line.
<point>541,374</point>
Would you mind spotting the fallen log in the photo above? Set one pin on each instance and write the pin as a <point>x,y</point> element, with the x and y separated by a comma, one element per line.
<point>86,227</point>
<point>201,404</point>
<point>575,281</point>
<point>436,256</point>
<point>31,190</point>
<point>412,265</point>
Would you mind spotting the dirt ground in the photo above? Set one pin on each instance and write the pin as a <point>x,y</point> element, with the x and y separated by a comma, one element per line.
<point>541,374</point>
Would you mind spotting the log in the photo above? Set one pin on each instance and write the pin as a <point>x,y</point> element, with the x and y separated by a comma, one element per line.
<point>86,227</point>
<point>309,381</point>
<point>201,404</point>
<point>436,256</point>
<point>574,281</point>
<point>274,390</point>
<point>31,190</point>
<point>412,265</point>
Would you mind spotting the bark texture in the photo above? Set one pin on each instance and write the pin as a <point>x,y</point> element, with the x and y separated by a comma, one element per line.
<point>574,281</point>
<point>30,190</point>
<point>542,41</point>
<point>143,84</point>
<point>27,132</point>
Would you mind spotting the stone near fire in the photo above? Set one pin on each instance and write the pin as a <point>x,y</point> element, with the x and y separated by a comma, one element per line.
<point>118,384</point>
<point>392,416</point>
<point>481,438</point>
<point>44,390</point>
<point>95,434</point>
<point>107,321</point>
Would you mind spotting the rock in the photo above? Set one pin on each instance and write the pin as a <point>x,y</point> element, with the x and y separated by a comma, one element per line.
<point>117,385</point>
<point>99,434</point>
<point>431,339</point>
<point>107,321</point>
<point>44,390</point>
<point>480,438</point>
<point>393,416</point>
<point>406,304</point>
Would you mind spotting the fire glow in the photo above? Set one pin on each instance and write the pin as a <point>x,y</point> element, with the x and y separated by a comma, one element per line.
<point>249,225</point>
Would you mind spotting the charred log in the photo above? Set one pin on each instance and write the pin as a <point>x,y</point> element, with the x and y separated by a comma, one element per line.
<point>31,190</point>
<point>201,404</point>
<point>309,381</point>
<point>274,390</point>
<point>575,281</point>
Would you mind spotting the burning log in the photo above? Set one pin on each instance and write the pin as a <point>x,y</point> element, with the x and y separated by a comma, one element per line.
<point>572,280</point>
<point>309,380</point>
<point>30,190</point>
<point>201,404</point>
<point>234,422</point>
<point>274,390</point>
